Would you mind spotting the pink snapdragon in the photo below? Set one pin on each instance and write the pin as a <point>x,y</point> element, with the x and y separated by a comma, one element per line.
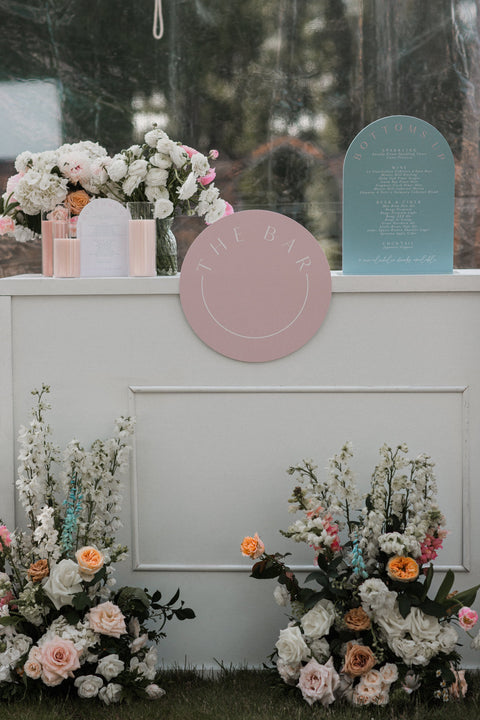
<point>467,618</point>
<point>433,541</point>
<point>5,538</point>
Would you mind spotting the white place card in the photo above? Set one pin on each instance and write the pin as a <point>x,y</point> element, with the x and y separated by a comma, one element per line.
<point>103,232</point>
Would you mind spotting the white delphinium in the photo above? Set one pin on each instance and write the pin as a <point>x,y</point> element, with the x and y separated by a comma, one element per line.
<point>45,535</point>
<point>28,606</point>
<point>395,543</point>
<point>344,495</point>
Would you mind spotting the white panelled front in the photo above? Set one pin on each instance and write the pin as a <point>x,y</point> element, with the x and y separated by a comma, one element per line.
<point>397,359</point>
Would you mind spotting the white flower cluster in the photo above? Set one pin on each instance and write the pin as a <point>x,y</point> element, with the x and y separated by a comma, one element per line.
<point>418,637</point>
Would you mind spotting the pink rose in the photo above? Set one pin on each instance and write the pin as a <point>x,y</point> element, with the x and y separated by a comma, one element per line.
<point>208,178</point>
<point>107,619</point>
<point>318,682</point>
<point>467,618</point>
<point>7,225</point>
<point>5,538</point>
<point>59,658</point>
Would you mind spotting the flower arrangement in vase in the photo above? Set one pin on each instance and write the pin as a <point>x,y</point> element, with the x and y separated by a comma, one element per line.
<point>367,628</point>
<point>63,623</point>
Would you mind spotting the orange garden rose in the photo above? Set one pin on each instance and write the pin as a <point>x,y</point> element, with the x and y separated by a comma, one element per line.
<point>90,561</point>
<point>357,619</point>
<point>38,570</point>
<point>359,660</point>
<point>252,547</point>
<point>402,568</point>
<point>77,200</point>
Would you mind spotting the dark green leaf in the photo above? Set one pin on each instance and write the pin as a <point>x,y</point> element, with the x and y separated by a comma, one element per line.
<point>184,614</point>
<point>428,581</point>
<point>404,605</point>
<point>445,587</point>
<point>174,599</point>
<point>430,607</point>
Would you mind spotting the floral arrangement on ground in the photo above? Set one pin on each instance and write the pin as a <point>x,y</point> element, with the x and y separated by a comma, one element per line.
<point>64,627</point>
<point>367,630</point>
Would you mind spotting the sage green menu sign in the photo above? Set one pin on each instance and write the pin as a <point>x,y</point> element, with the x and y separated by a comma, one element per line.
<point>398,200</point>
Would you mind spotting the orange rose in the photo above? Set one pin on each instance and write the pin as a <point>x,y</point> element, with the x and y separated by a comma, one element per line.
<point>357,619</point>
<point>77,200</point>
<point>38,570</point>
<point>359,660</point>
<point>402,568</point>
<point>252,547</point>
<point>90,560</point>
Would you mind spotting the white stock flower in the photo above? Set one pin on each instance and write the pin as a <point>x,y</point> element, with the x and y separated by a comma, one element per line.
<point>291,646</point>
<point>281,595</point>
<point>317,622</point>
<point>88,685</point>
<point>376,596</point>
<point>110,666</point>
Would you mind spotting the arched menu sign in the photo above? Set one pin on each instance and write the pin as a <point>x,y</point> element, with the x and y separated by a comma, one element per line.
<point>398,200</point>
<point>255,286</point>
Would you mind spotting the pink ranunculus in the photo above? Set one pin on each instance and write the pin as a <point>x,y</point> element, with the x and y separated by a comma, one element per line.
<point>318,682</point>
<point>59,658</point>
<point>190,151</point>
<point>213,154</point>
<point>208,178</point>
<point>228,209</point>
<point>467,618</point>
<point>6,225</point>
<point>107,619</point>
<point>5,538</point>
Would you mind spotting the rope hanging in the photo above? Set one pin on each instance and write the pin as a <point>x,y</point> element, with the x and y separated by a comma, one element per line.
<point>158,20</point>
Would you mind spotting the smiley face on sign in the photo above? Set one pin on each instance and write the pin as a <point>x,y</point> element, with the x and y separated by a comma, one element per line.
<point>255,286</point>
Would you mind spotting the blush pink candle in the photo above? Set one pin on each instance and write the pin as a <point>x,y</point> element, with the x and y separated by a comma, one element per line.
<point>47,248</point>
<point>66,257</point>
<point>142,247</point>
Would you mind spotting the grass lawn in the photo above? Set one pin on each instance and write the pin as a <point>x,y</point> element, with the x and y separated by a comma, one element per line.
<point>237,695</point>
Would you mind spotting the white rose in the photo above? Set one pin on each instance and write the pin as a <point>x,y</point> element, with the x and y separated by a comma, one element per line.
<point>63,582</point>
<point>320,649</point>
<point>154,692</point>
<point>117,168</point>
<point>448,638</point>
<point>112,693</point>
<point>317,622</point>
<point>289,673</point>
<point>138,643</point>
<point>422,626</point>
<point>88,685</point>
<point>392,623</point>
<point>475,644</point>
<point>291,646</point>
<point>281,595</point>
<point>389,673</point>
<point>22,643</point>
<point>110,666</point>
<point>404,648</point>
<point>371,679</point>
<point>5,674</point>
<point>163,208</point>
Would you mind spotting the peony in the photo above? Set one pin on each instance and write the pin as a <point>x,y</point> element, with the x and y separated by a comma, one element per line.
<point>467,618</point>
<point>252,547</point>
<point>291,646</point>
<point>90,561</point>
<point>88,685</point>
<point>318,682</point>
<point>110,666</point>
<point>112,693</point>
<point>357,619</point>
<point>154,692</point>
<point>317,622</point>
<point>38,570</point>
<point>63,582</point>
<point>107,619</point>
<point>359,659</point>
<point>59,658</point>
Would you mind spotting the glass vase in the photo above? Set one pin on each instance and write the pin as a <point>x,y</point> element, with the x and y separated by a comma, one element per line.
<point>166,248</point>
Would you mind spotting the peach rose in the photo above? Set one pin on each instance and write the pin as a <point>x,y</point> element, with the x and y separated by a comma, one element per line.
<point>33,666</point>
<point>107,619</point>
<point>403,568</point>
<point>357,619</point>
<point>359,659</point>
<point>77,200</point>
<point>252,547</point>
<point>90,561</point>
<point>38,570</point>
<point>59,658</point>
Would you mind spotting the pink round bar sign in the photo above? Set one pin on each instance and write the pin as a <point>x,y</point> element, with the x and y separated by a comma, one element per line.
<point>255,286</point>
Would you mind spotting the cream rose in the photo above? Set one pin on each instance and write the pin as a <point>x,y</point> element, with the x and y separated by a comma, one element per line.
<point>421,626</point>
<point>88,685</point>
<point>317,622</point>
<point>289,673</point>
<point>112,693</point>
<point>33,666</point>
<point>90,561</point>
<point>291,646</point>
<point>110,666</point>
<point>63,582</point>
<point>318,682</point>
<point>389,673</point>
<point>59,659</point>
<point>107,619</point>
